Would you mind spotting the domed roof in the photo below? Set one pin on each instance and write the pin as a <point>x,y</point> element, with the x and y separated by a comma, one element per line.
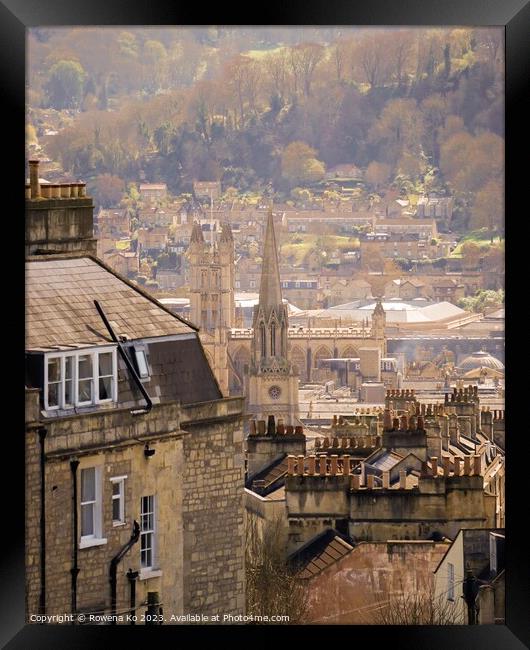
<point>481,359</point>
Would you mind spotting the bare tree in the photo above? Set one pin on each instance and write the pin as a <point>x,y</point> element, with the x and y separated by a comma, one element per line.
<point>272,587</point>
<point>418,608</point>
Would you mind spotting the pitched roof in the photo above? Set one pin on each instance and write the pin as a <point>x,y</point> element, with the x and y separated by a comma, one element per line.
<point>60,310</point>
<point>271,475</point>
<point>319,553</point>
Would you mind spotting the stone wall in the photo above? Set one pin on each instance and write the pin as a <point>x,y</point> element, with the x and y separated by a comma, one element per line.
<point>213,508</point>
<point>369,577</point>
<point>115,443</point>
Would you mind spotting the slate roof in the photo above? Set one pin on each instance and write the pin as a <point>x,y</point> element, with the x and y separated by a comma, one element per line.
<point>60,310</point>
<point>272,476</point>
<point>319,553</point>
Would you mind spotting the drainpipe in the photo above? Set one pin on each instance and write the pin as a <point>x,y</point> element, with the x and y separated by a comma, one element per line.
<point>131,577</point>
<point>135,536</point>
<point>74,571</point>
<point>42,431</point>
<point>130,367</point>
<point>470,594</point>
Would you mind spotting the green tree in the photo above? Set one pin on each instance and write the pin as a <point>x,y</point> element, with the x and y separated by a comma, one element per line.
<point>65,84</point>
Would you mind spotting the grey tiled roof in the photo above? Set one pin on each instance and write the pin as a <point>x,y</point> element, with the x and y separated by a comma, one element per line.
<point>60,308</point>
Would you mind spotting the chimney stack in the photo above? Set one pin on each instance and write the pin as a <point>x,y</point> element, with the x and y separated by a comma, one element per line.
<point>434,463</point>
<point>34,179</point>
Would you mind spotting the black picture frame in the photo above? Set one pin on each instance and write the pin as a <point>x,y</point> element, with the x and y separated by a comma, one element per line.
<point>15,17</point>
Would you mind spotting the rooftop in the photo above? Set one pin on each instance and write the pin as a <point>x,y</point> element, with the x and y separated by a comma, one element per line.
<point>60,310</point>
<point>319,553</point>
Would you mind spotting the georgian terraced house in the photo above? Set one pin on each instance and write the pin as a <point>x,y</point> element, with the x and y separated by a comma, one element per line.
<point>134,458</point>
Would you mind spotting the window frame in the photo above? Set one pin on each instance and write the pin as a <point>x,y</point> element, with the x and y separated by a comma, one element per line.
<point>96,538</point>
<point>118,480</point>
<point>75,356</point>
<point>149,531</point>
<point>450,581</point>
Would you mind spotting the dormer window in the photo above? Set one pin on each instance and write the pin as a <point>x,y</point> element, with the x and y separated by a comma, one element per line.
<point>80,378</point>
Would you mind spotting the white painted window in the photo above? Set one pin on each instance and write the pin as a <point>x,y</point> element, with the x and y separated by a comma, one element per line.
<point>80,378</point>
<point>118,500</point>
<point>147,532</point>
<point>450,581</point>
<point>91,506</point>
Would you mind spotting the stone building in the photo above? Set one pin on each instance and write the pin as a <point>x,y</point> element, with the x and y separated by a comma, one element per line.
<point>471,575</point>
<point>272,380</point>
<point>369,581</point>
<point>133,456</point>
<point>212,305</point>
<point>437,470</point>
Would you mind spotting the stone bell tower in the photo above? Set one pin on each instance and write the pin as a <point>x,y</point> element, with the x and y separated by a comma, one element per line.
<point>212,306</point>
<point>273,383</point>
<point>378,326</point>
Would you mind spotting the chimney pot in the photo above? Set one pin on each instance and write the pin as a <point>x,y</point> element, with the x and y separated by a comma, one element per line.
<point>271,425</point>
<point>346,466</point>
<point>301,465</point>
<point>458,466</point>
<point>311,464</point>
<point>334,464</point>
<point>467,465</point>
<point>370,481</point>
<point>386,479</point>
<point>355,481</point>
<point>322,465</point>
<point>477,465</point>
<point>291,460</point>
<point>402,479</point>
<point>299,430</point>
<point>290,429</point>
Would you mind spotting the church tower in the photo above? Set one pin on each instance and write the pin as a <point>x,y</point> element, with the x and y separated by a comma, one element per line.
<point>212,305</point>
<point>273,383</point>
<point>378,326</point>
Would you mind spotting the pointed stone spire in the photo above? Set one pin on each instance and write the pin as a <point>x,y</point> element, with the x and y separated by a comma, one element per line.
<point>226,233</point>
<point>196,234</point>
<point>270,292</point>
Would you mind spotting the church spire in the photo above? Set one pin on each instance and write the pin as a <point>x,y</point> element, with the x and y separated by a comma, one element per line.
<point>270,292</point>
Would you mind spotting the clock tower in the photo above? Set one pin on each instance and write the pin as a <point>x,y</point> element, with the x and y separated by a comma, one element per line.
<point>273,382</point>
